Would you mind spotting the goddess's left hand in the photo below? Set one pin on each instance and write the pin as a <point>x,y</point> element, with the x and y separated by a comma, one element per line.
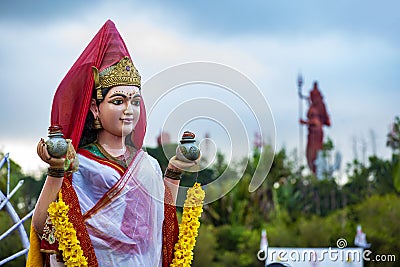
<point>177,164</point>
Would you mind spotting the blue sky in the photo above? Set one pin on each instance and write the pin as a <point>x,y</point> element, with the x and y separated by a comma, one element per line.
<point>350,47</point>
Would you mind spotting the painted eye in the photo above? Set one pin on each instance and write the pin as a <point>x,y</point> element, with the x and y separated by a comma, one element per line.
<point>136,102</point>
<point>117,101</point>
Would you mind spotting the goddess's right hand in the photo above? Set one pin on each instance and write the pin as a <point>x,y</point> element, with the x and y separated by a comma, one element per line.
<point>45,156</point>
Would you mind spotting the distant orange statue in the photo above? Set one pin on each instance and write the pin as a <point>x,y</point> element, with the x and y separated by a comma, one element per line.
<point>317,117</point>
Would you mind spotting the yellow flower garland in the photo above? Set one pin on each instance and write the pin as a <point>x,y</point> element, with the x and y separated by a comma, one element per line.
<point>188,228</point>
<point>66,234</point>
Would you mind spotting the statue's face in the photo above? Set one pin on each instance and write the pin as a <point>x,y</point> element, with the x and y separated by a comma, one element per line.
<point>312,113</point>
<point>120,110</point>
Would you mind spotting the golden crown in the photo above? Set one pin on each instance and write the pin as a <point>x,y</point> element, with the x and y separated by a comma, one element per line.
<point>122,73</point>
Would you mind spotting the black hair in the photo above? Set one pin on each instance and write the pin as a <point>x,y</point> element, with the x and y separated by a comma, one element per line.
<point>89,133</point>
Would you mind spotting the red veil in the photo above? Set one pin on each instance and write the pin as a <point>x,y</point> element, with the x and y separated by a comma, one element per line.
<point>72,99</point>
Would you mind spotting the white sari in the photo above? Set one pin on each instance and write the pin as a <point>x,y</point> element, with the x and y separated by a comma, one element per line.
<point>123,214</point>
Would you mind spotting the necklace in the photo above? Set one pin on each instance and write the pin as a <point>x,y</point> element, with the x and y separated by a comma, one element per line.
<point>124,159</point>
<point>118,152</point>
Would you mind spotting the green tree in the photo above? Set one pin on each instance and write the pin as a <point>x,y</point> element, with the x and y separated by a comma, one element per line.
<point>205,250</point>
<point>393,141</point>
<point>23,202</point>
<point>237,246</point>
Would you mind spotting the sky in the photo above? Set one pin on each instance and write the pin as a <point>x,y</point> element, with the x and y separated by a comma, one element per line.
<point>352,48</point>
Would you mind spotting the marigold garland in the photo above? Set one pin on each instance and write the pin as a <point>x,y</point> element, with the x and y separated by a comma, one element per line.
<point>66,234</point>
<point>188,228</point>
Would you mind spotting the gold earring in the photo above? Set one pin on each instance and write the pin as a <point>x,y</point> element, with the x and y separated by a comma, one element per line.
<point>97,124</point>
